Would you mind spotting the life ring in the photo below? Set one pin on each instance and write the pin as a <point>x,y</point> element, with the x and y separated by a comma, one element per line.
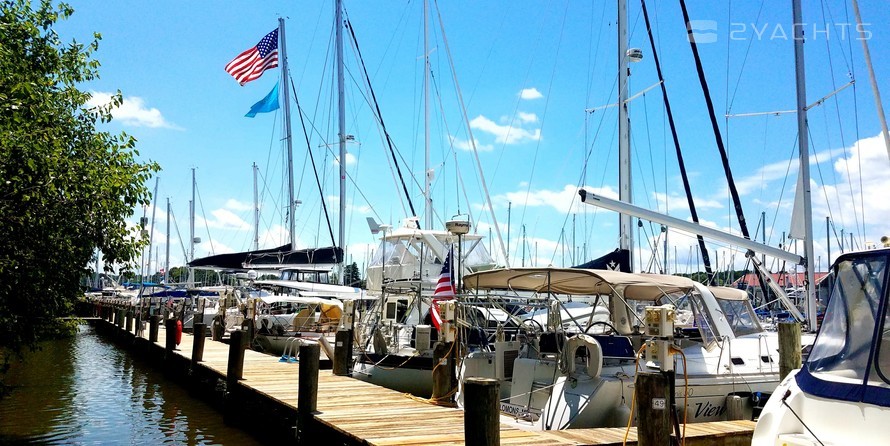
<point>178,331</point>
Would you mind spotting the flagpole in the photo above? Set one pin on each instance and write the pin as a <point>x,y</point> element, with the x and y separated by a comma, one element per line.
<point>287,134</point>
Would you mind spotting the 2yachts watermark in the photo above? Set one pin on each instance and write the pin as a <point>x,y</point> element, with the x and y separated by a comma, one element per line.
<point>708,31</point>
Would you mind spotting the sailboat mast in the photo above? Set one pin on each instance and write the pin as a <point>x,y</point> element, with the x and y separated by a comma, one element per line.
<point>871,76</point>
<point>256,212</point>
<point>167,250</point>
<point>803,147</point>
<point>151,234</point>
<point>192,220</point>
<point>428,211</point>
<point>285,96</point>
<point>191,278</point>
<point>624,180</point>
<point>341,108</point>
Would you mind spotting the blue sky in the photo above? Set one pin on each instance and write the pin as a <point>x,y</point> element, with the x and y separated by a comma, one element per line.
<point>527,71</point>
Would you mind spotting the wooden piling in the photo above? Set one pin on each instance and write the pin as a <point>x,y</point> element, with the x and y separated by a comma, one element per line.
<point>198,343</point>
<point>307,391</point>
<point>235,369</point>
<point>444,381</point>
<point>170,329</point>
<point>789,348</point>
<point>130,321</point>
<point>153,323</point>
<point>217,328</point>
<point>481,412</point>
<point>343,353</point>
<point>653,409</point>
<point>233,407</point>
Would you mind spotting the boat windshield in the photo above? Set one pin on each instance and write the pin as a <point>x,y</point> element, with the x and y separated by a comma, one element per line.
<point>683,314</point>
<point>843,349</point>
<point>309,276</point>
<point>475,255</point>
<point>402,251</point>
<point>741,316</point>
<point>703,321</point>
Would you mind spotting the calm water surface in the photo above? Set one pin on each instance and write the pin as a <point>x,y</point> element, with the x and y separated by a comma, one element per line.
<point>85,390</point>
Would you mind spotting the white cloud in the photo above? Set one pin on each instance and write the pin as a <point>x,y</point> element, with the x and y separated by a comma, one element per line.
<point>236,205</point>
<point>132,111</point>
<point>275,236</point>
<point>206,248</point>
<point>855,187</point>
<point>527,117</point>
<point>679,203</point>
<point>775,171</point>
<point>350,159</point>
<point>463,144</point>
<point>223,219</point>
<point>530,93</point>
<point>504,134</point>
<point>563,201</point>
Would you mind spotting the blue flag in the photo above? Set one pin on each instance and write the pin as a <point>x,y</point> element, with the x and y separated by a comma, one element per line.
<point>266,105</point>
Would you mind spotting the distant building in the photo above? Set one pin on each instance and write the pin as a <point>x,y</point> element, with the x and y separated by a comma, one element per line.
<point>792,283</point>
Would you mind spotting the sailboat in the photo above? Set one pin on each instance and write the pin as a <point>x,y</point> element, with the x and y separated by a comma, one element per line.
<point>562,371</point>
<point>397,337</point>
<point>841,395</point>
<point>278,310</point>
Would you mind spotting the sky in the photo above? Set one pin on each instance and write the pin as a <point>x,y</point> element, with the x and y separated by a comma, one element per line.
<point>526,82</point>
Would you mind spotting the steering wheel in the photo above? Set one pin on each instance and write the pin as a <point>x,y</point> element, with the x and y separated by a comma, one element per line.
<point>612,329</point>
<point>529,325</point>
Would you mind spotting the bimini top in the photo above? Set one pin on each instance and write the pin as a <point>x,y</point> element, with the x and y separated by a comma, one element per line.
<point>579,282</point>
<point>728,293</point>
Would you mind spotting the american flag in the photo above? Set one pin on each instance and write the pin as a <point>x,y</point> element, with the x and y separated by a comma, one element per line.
<point>444,290</point>
<point>251,64</point>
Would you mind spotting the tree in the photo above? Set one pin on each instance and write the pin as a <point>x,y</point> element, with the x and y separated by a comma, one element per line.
<point>352,277</point>
<point>66,188</point>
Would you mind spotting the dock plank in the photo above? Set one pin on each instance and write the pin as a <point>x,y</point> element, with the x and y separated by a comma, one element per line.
<point>373,415</point>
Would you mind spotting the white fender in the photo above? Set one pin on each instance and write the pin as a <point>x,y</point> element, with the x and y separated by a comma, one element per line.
<point>594,354</point>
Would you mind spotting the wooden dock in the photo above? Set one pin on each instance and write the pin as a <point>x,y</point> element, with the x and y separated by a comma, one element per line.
<point>350,411</point>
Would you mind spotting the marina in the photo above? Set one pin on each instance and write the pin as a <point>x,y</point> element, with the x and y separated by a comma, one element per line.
<point>265,401</point>
<point>420,262</point>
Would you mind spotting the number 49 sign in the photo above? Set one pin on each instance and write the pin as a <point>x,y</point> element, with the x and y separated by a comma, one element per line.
<point>658,403</point>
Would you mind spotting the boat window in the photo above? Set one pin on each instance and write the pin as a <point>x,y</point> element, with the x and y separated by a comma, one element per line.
<point>396,309</point>
<point>390,252</point>
<point>882,360</point>
<point>683,314</point>
<point>844,344</point>
<point>475,255</point>
<point>703,321</point>
<point>428,256</point>
<point>740,316</point>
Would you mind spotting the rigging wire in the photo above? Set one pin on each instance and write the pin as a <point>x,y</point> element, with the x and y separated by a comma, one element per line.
<point>840,126</point>
<point>544,114</point>
<point>379,116</point>
<point>206,226</point>
<point>591,68</point>
<point>470,132</point>
<point>315,170</point>
<point>856,120</point>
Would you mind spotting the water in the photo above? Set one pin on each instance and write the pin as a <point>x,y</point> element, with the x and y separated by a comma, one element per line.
<point>85,390</point>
